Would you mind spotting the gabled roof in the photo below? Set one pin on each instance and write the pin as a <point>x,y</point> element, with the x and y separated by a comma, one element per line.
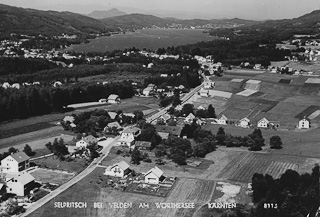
<point>23,178</point>
<point>90,139</point>
<point>131,130</point>
<point>155,171</point>
<point>223,117</point>
<point>113,97</point>
<point>165,117</point>
<point>123,165</point>
<point>112,115</point>
<point>114,124</point>
<point>20,157</point>
<point>143,144</point>
<point>245,119</point>
<point>305,118</point>
<point>191,116</point>
<point>263,119</point>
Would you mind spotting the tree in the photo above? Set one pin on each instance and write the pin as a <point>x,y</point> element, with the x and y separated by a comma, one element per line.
<point>136,156</point>
<point>275,142</point>
<point>211,112</point>
<point>178,156</point>
<point>221,136</point>
<point>187,109</point>
<point>49,146</point>
<point>13,150</point>
<point>28,150</point>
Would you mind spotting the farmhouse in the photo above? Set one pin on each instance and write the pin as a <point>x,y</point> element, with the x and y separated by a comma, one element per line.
<point>19,184</point>
<point>86,141</point>
<point>200,107</point>
<point>222,120</point>
<point>111,125</point>
<point>208,84</point>
<point>171,130</point>
<point>143,145</point>
<point>128,136</point>
<point>57,84</point>
<point>244,122</point>
<point>120,169</point>
<point>163,119</point>
<point>148,91</point>
<point>304,123</point>
<point>154,176</point>
<point>15,163</point>
<point>263,123</point>
<point>113,98</point>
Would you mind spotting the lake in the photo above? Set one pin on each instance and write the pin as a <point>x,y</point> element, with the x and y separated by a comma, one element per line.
<point>145,38</point>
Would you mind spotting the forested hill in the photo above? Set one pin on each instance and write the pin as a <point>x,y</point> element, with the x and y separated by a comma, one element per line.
<point>31,22</point>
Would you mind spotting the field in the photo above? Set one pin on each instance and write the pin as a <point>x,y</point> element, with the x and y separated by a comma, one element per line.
<point>247,92</point>
<point>51,176</point>
<point>194,191</point>
<point>52,162</point>
<point>26,129</point>
<point>146,38</point>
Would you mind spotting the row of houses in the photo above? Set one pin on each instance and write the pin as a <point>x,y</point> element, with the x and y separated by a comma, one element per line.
<point>122,169</point>
<point>303,123</point>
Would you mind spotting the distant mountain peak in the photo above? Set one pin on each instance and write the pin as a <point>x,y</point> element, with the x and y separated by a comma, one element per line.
<point>113,12</point>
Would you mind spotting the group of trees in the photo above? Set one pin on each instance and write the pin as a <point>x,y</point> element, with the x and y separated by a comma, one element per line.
<point>43,100</point>
<point>58,148</point>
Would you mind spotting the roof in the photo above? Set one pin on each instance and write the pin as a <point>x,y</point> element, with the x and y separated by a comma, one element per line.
<point>72,149</point>
<point>143,144</point>
<point>305,118</point>
<point>223,117</point>
<point>131,130</point>
<point>155,171</point>
<point>191,116</point>
<point>123,165</point>
<point>112,115</point>
<point>163,135</point>
<point>113,97</point>
<point>114,124</point>
<point>68,118</point>
<point>245,119</point>
<point>172,130</point>
<point>165,117</point>
<point>23,177</point>
<point>263,119</point>
<point>20,157</point>
<point>90,139</point>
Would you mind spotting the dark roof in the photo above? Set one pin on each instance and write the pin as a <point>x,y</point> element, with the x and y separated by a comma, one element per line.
<point>172,130</point>
<point>143,144</point>
<point>20,157</point>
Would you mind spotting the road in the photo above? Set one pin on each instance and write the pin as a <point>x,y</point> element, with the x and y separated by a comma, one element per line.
<point>105,151</point>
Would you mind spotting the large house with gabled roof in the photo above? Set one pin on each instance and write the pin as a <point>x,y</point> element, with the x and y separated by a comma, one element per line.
<point>118,169</point>
<point>154,176</point>
<point>15,163</point>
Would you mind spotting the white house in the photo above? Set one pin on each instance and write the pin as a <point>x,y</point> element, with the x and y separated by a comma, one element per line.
<point>6,85</point>
<point>154,176</point>
<point>111,125</point>
<point>190,118</point>
<point>68,118</point>
<point>102,100</point>
<point>15,163</point>
<point>204,92</point>
<point>147,91</point>
<point>86,141</point>
<point>163,118</point>
<point>15,85</point>
<point>263,123</point>
<point>200,107</point>
<point>128,136</point>
<point>57,84</point>
<point>208,84</point>
<point>244,122</point>
<point>222,120</point>
<point>19,184</point>
<point>113,98</point>
<point>118,170</point>
<point>304,123</point>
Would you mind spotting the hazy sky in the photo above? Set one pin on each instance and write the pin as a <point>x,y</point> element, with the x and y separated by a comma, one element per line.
<point>253,9</point>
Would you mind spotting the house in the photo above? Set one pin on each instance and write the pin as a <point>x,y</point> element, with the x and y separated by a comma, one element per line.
<point>189,119</point>
<point>143,145</point>
<point>257,66</point>
<point>15,163</point>
<point>6,85</point>
<point>204,93</point>
<point>304,123</point>
<point>181,87</point>
<point>147,91</point>
<point>15,85</point>
<point>102,100</point>
<point>222,120</point>
<point>154,176</point>
<point>163,119</point>
<point>111,125</point>
<point>244,122</point>
<point>208,84</point>
<point>263,123</point>
<point>164,131</point>
<point>163,75</point>
<point>20,183</point>
<point>113,98</point>
<point>120,169</point>
<point>86,141</point>
<point>128,136</point>
<point>200,107</point>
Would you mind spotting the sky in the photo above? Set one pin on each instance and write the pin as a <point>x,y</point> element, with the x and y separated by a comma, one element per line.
<point>248,9</point>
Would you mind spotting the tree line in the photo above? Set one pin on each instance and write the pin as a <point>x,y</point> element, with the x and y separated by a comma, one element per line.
<point>40,100</point>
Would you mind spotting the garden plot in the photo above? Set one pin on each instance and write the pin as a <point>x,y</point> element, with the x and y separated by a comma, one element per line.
<point>219,93</point>
<point>310,89</point>
<point>285,81</point>
<point>308,111</point>
<point>247,92</point>
<point>313,81</point>
<point>217,102</point>
<point>229,192</point>
<point>51,176</point>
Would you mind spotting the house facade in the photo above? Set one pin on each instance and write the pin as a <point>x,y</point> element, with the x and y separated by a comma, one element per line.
<point>189,119</point>
<point>154,176</point>
<point>204,93</point>
<point>263,123</point>
<point>15,163</point>
<point>118,170</point>
<point>86,141</point>
<point>128,136</point>
<point>304,123</point>
<point>244,122</point>
<point>208,84</point>
<point>222,120</point>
